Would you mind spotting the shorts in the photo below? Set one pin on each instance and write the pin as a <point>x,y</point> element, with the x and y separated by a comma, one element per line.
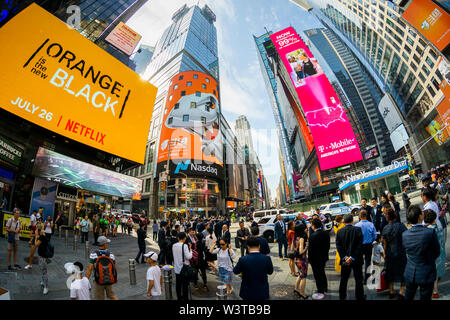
<point>33,228</point>
<point>14,245</point>
<point>225,275</point>
<point>99,291</point>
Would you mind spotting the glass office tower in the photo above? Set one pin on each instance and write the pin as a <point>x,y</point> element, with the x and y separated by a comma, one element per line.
<point>403,62</point>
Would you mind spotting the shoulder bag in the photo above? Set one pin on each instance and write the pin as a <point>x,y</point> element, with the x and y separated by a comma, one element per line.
<point>187,271</point>
<point>12,235</point>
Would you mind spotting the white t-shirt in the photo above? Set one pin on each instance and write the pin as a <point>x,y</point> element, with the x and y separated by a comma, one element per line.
<point>432,206</point>
<point>223,259</point>
<point>178,256</point>
<point>377,251</point>
<point>48,228</point>
<point>33,220</point>
<point>80,289</point>
<point>154,273</point>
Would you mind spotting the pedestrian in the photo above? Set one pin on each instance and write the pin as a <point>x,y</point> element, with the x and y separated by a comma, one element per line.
<point>263,243</point>
<point>42,244</point>
<point>428,200</point>
<point>103,263</point>
<point>96,228</point>
<point>301,246</point>
<point>318,252</point>
<point>365,206</point>
<point>33,223</point>
<point>430,220</point>
<point>210,241</point>
<point>141,235</point>
<point>181,255</point>
<point>80,288</point>
<point>201,258</point>
<point>291,251</point>
<point>84,228</point>
<point>76,227</point>
<point>59,221</point>
<point>422,249</point>
<point>349,241</point>
<point>378,251</point>
<point>170,241</point>
<point>130,225</point>
<point>225,256</point>
<point>376,213</point>
<point>395,205</point>
<point>242,234</point>
<point>339,224</point>
<point>280,237</point>
<point>154,276</point>
<point>155,229</point>
<point>406,200</point>
<point>48,227</point>
<point>34,237</point>
<point>225,235</point>
<point>369,236</point>
<point>395,255</point>
<point>255,268</point>
<point>162,243</point>
<point>13,226</point>
<point>253,223</point>
<point>103,225</point>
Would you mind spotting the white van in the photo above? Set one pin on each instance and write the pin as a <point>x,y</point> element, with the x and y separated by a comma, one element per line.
<point>257,215</point>
<point>267,225</point>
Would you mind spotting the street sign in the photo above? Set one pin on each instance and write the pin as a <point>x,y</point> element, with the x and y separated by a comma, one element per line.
<point>163,176</point>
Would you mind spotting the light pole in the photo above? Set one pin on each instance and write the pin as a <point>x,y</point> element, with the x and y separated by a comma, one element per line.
<point>167,174</point>
<point>186,206</point>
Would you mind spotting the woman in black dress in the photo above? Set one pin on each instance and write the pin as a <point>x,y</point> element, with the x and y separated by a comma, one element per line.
<point>395,262</point>
<point>202,264</point>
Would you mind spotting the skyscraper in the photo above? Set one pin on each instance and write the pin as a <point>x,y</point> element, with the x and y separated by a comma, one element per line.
<point>142,58</point>
<point>188,44</point>
<point>403,56</point>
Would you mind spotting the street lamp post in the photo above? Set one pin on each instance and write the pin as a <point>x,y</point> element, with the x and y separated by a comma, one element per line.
<point>185,201</point>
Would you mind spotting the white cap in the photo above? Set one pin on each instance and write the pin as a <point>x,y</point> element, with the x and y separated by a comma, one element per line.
<point>152,255</point>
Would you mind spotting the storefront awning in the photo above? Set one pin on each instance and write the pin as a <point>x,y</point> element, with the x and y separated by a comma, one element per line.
<point>374,174</point>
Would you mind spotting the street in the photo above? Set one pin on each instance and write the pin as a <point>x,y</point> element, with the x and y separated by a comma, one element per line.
<point>24,284</point>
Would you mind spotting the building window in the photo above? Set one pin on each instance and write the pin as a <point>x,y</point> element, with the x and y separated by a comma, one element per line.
<point>195,76</point>
<point>170,121</point>
<point>207,80</point>
<point>214,91</point>
<point>408,49</point>
<point>422,77</point>
<point>189,84</point>
<point>410,41</point>
<point>193,105</point>
<point>183,93</point>
<point>405,56</point>
<point>203,120</point>
<point>423,43</point>
<point>203,86</point>
<point>175,87</point>
<point>425,69</point>
<point>435,83</point>
<point>147,185</point>
<point>198,94</point>
<point>416,59</point>
<point>150,157</point>
<point>433,54</point>
<point>430,63</point>
<point>177,106</point>
<point>412,33</point>
<point>207,108</point>
<point>180,77</point>
<point>170,98</point>
<point>185,118</point>
<point>430,89</point>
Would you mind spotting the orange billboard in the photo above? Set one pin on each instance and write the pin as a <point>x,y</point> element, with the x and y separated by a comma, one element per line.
<point>54,77</point>
<point>430,20</point>
<point>191,126</point>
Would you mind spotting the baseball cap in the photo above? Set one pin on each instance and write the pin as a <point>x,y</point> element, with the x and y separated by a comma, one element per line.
<point>72,267</point>
<point>152,255</point>
<point>102,240</point>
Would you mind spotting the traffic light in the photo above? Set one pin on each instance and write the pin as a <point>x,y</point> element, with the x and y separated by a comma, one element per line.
<point>163,186</point>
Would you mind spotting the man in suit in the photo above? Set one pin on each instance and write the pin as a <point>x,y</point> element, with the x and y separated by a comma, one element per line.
<point>242,234</point>
<point>349,242</point>
<point>162,243</point>
<point>255,268</point>
<point>190,239</point>
<point>253,223</point>
<point>318,249</point>
<point>365,206</point>
<point>376,213</point>
<point>422,250</point>
<point>280,236</point>
<point>218,228</point>
<point>225,235</point>
<point>263,244</point>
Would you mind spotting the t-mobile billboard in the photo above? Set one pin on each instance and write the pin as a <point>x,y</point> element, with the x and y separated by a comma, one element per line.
<point>333,136</point>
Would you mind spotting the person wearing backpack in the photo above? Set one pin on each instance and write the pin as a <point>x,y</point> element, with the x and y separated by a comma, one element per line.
<point>225,256</point>
<point>45,251</point>
<point>182,255</point>
<point>102,262</point>
<point>13,226</point>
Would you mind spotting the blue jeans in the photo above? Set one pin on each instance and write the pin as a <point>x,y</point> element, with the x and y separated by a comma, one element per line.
<point>141,252</point>
<point>281,242</point>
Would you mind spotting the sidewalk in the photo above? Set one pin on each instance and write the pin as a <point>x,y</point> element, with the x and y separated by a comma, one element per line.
<point>24,284</point>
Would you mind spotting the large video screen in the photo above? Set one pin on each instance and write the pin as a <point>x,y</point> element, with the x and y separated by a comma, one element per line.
<point>371,153</point>
<point>333,135</point>
<point>71,172</point>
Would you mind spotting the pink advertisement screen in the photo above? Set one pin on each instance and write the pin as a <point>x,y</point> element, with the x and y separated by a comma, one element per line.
<point>333,136</point>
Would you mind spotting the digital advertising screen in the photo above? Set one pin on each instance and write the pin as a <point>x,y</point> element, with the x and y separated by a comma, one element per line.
<point>334,139</point>
<point>56,78</point>
<point>74,173</point>
<point>371,153</point>
<point>191,127</point>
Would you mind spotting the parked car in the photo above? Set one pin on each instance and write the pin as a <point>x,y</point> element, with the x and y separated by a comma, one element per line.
<point>257,215</point>
<point>339,208</point>
<point>267,224</point>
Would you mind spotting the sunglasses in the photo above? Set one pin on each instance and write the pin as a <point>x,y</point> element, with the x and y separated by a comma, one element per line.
<point>223,244</point>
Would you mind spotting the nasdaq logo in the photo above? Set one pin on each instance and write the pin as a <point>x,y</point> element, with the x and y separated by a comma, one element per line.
<point>182,166</point>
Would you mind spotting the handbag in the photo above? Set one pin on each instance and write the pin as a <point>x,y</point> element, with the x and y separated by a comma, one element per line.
<point>237,243</point>
<point>187,271</point>
<point>383,285</point>
<point>12,235</point>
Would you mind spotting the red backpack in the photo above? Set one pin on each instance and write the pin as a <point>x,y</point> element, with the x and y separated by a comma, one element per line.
<point>105,270</point>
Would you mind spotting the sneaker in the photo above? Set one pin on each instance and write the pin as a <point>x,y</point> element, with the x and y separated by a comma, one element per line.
<point>16,266</point>
<point>28,267</point>
<point>10,268</point>
<point>45,290</point>
<point>318,296</point>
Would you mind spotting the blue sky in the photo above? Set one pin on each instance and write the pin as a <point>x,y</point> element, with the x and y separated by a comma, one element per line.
<point>242,87</point>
